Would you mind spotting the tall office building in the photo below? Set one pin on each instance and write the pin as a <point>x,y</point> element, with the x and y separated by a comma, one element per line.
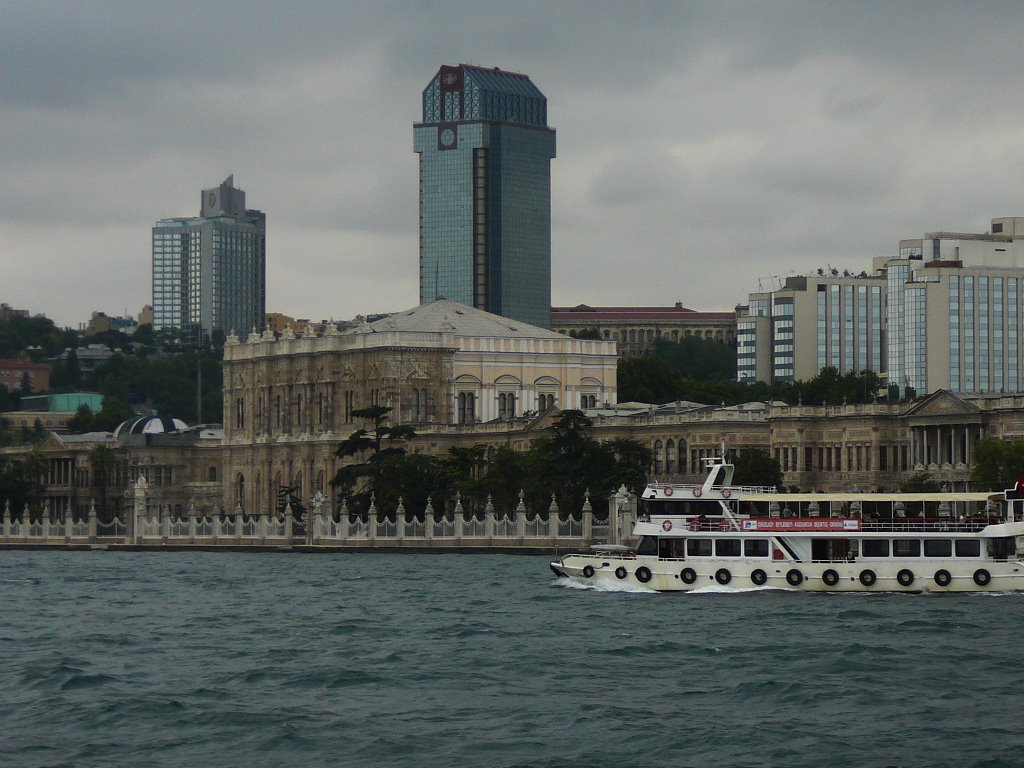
<point>485,193</point>
<point>210,272</point>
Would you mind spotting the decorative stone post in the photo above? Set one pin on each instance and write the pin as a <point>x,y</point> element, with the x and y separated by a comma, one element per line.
<point>92,521</point>
<point>489,520</point>
<point>400,521</point>
<point>46,520</point>
<point>553,519</point>
<point>317,519</point>
<point>614,514</point>
<point>428,520</point>
<point>343,520</point>
<point>192,524</point>
<point>371,519</point>
<point>7,520</point>
<point>460,523</point>
<point>289,525</point>
<point>165,526</point>
<point>588,519</point>
<point>68,522</point>
<point>521,518</point>
<point>216,528</point>
<point>138,511</point>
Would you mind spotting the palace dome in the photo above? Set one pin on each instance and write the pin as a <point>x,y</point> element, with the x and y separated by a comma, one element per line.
<point>151,424</point>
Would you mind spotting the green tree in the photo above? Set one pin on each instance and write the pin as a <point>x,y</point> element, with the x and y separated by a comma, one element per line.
<point>372,459</point>
<point>757,467</point>
<point>15,488</point>
<point>647,379</point>
<point>586,333</point>
<point>698,359</point>
<point>996,464</point>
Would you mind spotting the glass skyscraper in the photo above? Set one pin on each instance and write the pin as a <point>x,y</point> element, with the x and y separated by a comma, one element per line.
<point>485,193</point>
<point>210,272</point>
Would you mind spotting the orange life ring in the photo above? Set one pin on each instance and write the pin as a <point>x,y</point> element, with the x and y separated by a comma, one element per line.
<point>723,525</point>
<point>726,493</point>
<point>666,525</point>
<point>667,490</point>
<point>697,493</point>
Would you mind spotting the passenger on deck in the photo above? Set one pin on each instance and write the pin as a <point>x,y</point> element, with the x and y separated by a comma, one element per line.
<point>702,520</point>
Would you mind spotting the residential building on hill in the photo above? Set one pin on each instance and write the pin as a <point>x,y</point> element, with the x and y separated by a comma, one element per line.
<point>635,329</point>
<point>15,373</point>
<point>485,152</point>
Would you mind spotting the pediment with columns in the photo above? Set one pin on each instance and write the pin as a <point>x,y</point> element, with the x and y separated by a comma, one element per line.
<point>944,403</point>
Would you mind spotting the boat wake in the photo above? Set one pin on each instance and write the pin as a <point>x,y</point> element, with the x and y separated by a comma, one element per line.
<point>610,587</point>
<point>719,589</point>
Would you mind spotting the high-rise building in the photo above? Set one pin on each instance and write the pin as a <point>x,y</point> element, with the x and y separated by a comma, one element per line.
<point>485,193</point>
<point>812,322</point>
<point>209,272</point>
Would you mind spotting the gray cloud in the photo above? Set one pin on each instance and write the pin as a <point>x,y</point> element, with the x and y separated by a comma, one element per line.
<point>700,145</point>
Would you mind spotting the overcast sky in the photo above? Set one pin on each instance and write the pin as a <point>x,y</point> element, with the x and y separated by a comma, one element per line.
<point>701,146</point>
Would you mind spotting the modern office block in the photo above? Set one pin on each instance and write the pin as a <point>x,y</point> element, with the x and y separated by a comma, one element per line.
<point>209,272</point>
<point>485,193</point>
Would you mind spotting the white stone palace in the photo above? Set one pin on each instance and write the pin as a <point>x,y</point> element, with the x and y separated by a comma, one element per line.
<point>441,367</point>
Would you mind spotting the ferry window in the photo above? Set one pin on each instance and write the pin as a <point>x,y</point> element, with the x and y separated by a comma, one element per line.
<point>698,547</point>
<point>875,548</point>
<point>648,546</point>
<point>938,548</point>
<point>756,547</point>
<point>906,547</point>
<point>727,547</point>
<point>968,548</point>
<point>671,549</point>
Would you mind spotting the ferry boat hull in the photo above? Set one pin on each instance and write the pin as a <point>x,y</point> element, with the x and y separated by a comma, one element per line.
<point>864,576</point>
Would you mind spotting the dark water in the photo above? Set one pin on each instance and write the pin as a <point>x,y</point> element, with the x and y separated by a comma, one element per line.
<point>191,659</point>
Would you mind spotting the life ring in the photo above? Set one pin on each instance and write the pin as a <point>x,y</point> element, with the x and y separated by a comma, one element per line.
<point>697,493</point>
<point>795,577</point>
<point>723,525</point>
<point>830,577</point>
<point>905,577</point>
<point>694,524</point>
<point>867,577</point>
<point>943,578</point>
<point>666,525</point>
<point>722,576</point>
<point>643,574</point>
<point>982,577</point>
<point>588,571</point>
<point>688,575</point>
<point>667,490</point>
<point>758,576</point>
<point>620,572</point>
<point>726,493</point>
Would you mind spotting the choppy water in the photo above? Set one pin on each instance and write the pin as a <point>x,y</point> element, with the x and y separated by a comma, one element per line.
<point>194,659</point>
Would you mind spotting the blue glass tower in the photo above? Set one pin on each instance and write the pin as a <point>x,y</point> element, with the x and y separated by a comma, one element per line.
<point>485,193</point>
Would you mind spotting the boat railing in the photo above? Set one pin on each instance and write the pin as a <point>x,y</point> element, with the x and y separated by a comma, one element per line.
<point>928,524</point>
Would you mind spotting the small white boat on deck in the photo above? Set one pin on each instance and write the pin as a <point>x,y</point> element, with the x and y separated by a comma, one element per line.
<point>689,536</point>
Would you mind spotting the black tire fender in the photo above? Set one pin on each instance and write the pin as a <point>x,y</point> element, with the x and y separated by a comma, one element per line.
<point>867,577</point>
<point>621,572</point>
<point>794,577</point>
<point>982,577</point>
<point>722,576</point>
<point>688,575</point>
<point>759,577</point>
<point>588,571</point>
<point>905,577</point>
<point>830,577</point>
<point>943,577</point>
<point>643,574</point>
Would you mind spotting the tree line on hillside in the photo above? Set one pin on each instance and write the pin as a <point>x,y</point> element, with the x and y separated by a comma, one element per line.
<point>151,369</point>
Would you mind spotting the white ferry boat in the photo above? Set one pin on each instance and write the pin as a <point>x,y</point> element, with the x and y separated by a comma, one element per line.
<point>689,536</point>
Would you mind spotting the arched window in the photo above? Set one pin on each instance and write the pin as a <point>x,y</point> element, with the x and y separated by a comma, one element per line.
<point>659,457</point>
<point>240,490</point>
<point>211,475</point>
<point>670,456</point>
